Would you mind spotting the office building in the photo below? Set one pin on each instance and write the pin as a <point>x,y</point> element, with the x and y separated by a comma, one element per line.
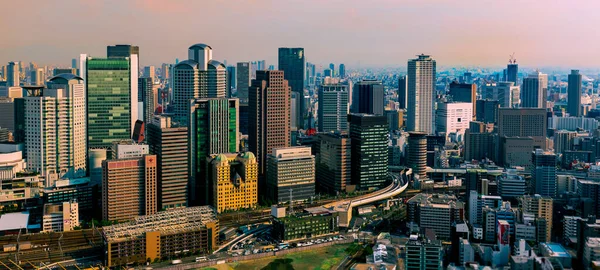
<point>231,80</point>
<point>37,76</point>
<point>487,111</point>
<point>112,101</point>
<point>185,84</point>
<point>165,71</point>
<point>368,97</point>
<point>291,174</point>
<point>122,51</point>
<point>417,153</point>
<point>148,94</point>
<point>305,225</point>
<point>564,141</point>
<point>424,253</point>
<point>170,145</point>
<point>479,145</point>
<point>512,72</point>
<point>541,207</point>
<point>55,129</point>
<point>233,181</point>
<point>342,71</point>
<point>506,93</point>
<point>591,252</point>
<point>60,217</point>
<point>436,212</point>
<point>333,108</point>
<point>421,94</point>
<point>395,119</point>
<point>535,91</point>
<point>150,72</point>
<point>292,62</point>
<point>243,81</point>
<point>369,140</point>
<point>511,185</point>
<point>464,92</point>
<point>129,188</point>
<point>268,116</point>
<point>13,76</point>
<point>574,94</point>
<point>333,162</point>
<point>543,172</point>
<point>8,109</point>
<point>213,129</point>
<point>161,235</point>
<point>402,92</point>
<point>453,117</point>
<point>526,122</point>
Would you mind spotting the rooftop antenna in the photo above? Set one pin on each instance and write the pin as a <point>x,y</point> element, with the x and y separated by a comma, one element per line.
<point>512,59</point>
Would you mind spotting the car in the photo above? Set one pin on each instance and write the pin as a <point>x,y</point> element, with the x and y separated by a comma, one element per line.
<point>200,259</point>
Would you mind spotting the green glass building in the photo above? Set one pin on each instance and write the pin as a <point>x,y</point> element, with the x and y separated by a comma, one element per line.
<point>213,130</point>
<point>111,98</point>
<point>369,152</point>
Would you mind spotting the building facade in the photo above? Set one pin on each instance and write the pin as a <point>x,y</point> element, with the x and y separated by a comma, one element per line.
<point>421,94</point>
<point>368,97</point>
<point>333,108</point>
<point>369,154</point>
<point>292,62</point>
<point>535,91</point>
<point>333,162</point>
<point>291,174</point>
<point>233,181</point>
<point>574,94</point>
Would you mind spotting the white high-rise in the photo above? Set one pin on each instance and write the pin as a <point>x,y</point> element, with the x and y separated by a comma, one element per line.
<point>453,117</point>
<point>421,94</point>
<point>56,129</point>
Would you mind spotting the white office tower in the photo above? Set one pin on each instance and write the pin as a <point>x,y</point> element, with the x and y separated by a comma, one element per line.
<point>56,129</point>
<point>535,91</point>
<point>213,74</point>
<point>421,94</point>
<point>506,93</point>
<point>454,117</point>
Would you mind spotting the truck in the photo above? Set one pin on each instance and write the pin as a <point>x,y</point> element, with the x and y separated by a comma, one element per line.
<point>174,262</point>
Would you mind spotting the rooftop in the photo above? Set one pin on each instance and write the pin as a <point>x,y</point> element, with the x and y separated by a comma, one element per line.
<point>14,221</point>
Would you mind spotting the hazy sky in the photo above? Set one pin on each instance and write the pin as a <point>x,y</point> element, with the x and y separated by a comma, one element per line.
<point>369,32</point>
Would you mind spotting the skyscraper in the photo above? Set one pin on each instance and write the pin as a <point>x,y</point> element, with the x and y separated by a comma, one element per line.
<point>291,172</point>
<point>233,180</point>
<point>333,164</point>
<point>165,71</point>
<point>506,93</point>
<point>342,71</point>
<point>574,94</point>
<point>535,91</point>
<point>185,84</point>
<point>368,97</point>
<point>369,150</point>
<point>333,107</point>
<point>170,145</point>
<point>37,76</point>
<point>332,67</point>
<point>213,129</point>
<point>112,101</point>
<point>122,51</point>
<point>128,188</point>
<point>402,95</point>
<point>12,74</point>
<point>268,117</point>
<point>512,71</point>
<point>243,82</point>
<point>292,62</point>
<point>487,110</point>
<point>150,72</point>
<point>464,92</point>
<point>543,172</point>
<point>421,94</point>
<point>55,129</point>
<point>231,80</point>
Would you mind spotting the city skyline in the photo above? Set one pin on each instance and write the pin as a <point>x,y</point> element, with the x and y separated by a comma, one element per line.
<point>455,33</point>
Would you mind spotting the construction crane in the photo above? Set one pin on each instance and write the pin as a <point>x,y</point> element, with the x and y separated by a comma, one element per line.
<point>512,59</point>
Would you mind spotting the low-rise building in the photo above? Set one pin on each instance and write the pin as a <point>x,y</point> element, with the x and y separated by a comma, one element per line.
<point>318,222</point>
<point>423,253</point>
<point>436,212</point>
<point>60,217</point>
<point>161,236</point>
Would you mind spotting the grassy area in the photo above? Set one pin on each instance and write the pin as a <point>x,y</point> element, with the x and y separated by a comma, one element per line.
<point>317,259</point>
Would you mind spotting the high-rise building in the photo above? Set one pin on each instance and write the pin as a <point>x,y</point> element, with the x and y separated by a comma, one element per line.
<point>13,77</point>
<point>487,111</point>
<point>122,51</point>
<point>332,67</point>
<point>540,207</point>
<point>535,91</point>
<point>564,141</point>
<point>186,87</point>
<point>243,82</point>
<point>512,73</point>
<point>368,97</point>
<point>421,94</point>
<point>333,107</point>
<point>291,174</point>
<point>464,92</point>
<point>292,62</point>
<point>165,71</point>
<point>543,172</point>
<point>423,253</point>
<point>213,129</point>
<point>530,122</point>
<point>574,94</point>
<point>333,164</point>
<point>55,129</point>
<point>511,185</point>
<point>37,76</point>
<point>9,111</point>
<point>369,153</point>
<point>170,145</point>
<point>129,188</point>
<point>145,88</point>
<point>112,102</point>
<point>268,117</point>
<point>402,94</point>
<point>506,93</point>
<point>231,80</point>
<point>417,153</point>
<point>453,117</point>
<point>342,71</point>
<point>150,72</point>
<point>233,181</point>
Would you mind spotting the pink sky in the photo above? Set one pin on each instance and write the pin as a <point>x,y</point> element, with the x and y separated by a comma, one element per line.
<point>372,33</point>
